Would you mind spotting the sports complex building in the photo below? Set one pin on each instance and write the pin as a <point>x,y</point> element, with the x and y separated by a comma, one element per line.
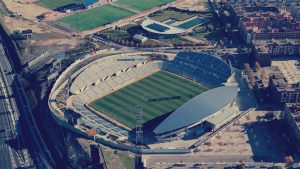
<point>181,96</point>
<point>157,29</point>
<point>165,29</point>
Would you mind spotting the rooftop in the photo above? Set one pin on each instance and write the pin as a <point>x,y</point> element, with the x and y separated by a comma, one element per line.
<point>281,83</point>
<point>277,42</point>
<point>198,108</point>
<point>295,112</point>
<point>265,46</point>
<point>265,17</point>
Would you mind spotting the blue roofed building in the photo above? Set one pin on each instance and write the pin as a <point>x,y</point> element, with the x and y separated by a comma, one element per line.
<point>89,2</point>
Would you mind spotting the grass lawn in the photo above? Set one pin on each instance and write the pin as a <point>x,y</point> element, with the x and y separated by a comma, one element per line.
<point>96,17</point>
<point>152,42</point>
<point>142,5</point>
<point>121,104</point>
<point>53,4</point>
<point>170,14</point>
<point>118,34</point>
<point>214,35</point>
<point>177,40</point>
<point>118,159</point>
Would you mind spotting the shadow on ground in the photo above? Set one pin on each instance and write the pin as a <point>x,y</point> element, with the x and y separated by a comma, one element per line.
<point>269,140</point>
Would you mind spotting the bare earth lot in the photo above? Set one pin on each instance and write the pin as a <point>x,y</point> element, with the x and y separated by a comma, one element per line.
<point>44,38</point>
<point>197,5</point>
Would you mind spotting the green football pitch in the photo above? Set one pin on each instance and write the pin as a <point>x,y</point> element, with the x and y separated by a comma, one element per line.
<point>142,5</point>
<point>53,4</point>
<point>96,17</point>
<point>158,94</point>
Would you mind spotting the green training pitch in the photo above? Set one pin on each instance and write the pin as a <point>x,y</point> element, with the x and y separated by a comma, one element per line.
<point>96,17</point>
<point>121,104</point>
<point>54,4</point>
<point>142,5</point>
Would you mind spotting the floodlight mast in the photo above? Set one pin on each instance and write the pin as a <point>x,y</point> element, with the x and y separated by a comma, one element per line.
<point>139,126</point>
<point>138,132</point>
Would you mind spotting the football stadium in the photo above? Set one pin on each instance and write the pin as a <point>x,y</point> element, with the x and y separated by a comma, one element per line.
<point>167,96</point>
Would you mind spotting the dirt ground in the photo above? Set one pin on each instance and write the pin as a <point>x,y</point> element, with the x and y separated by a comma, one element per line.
<point>44,38</point>
<point>197,5</point>
<point>41,43</point>
<point>18,23</point>
<point>115,159</point>
<point>28,9</point>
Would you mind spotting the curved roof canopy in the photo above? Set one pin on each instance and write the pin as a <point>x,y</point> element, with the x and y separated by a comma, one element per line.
<point>198,108</point>
<point>160,28</point>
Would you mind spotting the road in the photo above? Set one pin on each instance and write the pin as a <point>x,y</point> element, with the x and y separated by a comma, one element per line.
<point>216,162</point>
<point>8,155</point>
<point>28,133</point>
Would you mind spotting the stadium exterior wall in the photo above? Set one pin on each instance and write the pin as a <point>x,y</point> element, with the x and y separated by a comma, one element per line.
<point>119,146</point>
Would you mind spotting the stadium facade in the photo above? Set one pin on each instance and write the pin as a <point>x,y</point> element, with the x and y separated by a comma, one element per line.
<point>96,76</point>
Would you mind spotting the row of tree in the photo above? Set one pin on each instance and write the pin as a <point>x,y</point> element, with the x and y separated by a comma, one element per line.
<point>146,44</point>
<point>251,74</point>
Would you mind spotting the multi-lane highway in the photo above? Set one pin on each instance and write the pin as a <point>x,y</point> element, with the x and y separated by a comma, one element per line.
<point>30,150</point>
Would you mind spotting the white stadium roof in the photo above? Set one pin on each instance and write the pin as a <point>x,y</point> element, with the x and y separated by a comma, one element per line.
<point>198,108</point>
<point>160,28</point>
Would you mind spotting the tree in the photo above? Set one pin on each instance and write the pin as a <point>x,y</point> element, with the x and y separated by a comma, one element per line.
<point>226,13</point>
<point>118,40</point>
<point>126,43</point>
<point>230,43</point>
<point>251,78</point>
<point>247,68</point>
<point>108,37</point>
<point>210,27</point>
<point>227,27</point>
<point>263,74</point>
<point>257,66</point>
<point>151,44</point>
<point>175,45</point>
<point>122,42</point>
<point>288,160</point>
<point>114,39</point>
<point>240,50</point>
<point>132,43</point>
